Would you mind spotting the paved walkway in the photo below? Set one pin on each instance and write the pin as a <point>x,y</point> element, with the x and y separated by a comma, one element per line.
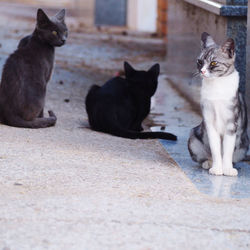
<point>68,187</point>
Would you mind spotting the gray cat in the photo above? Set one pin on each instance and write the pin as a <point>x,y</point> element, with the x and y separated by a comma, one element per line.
<point>221,139</point>
<point>27,72</point>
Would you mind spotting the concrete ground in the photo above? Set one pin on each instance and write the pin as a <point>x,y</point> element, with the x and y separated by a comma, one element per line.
<point>68,187</point>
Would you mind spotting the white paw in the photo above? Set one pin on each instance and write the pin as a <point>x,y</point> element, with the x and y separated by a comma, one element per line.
<point>230,171</point>
<point>215,171</point>
<point>206,164</point>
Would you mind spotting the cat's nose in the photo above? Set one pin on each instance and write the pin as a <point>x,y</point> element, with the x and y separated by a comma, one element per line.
<point>203,71</point>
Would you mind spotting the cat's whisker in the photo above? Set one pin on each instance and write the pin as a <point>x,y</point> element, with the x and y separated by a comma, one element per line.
<point>194,75</point>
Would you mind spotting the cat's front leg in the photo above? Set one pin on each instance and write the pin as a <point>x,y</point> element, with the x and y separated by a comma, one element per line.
<point>228,150</point>
<point>41,114</point>
<point>215,147</point>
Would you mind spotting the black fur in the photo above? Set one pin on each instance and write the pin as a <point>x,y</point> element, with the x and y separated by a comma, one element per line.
<point>120,105</point>
<point>27,72</point>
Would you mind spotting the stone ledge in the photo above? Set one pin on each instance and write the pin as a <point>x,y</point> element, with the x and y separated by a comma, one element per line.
<point>220,9</point>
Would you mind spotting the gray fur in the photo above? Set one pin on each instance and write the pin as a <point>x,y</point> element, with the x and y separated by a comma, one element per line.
<point>198,144</point>
<point>27,72</point>
<point>222,55</point>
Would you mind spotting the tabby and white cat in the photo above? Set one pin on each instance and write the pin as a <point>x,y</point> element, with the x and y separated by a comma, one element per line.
<point>221,139</point>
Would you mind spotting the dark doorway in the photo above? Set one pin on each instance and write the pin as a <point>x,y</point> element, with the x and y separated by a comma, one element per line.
<point>110,12</point>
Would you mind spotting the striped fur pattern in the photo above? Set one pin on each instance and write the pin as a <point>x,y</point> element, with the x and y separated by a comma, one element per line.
<point>221,139</point>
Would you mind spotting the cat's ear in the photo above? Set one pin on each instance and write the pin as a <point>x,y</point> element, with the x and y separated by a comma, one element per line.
<point>155,70</point>
<point>228,47</point>
<point>129,70</point>
<point>42,19</point>
<point>60,15</point>
<point>206,40</point>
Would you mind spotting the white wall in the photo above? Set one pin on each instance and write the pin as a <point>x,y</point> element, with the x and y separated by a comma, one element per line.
<point>142,15</point>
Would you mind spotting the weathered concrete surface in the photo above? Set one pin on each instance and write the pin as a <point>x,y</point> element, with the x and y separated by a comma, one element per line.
<point>68,187</point>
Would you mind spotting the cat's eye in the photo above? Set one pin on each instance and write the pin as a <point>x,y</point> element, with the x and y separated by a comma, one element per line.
<point>54,33</point>
<point>213,63</point>
<point>65,33</point>
<point>199,62</point>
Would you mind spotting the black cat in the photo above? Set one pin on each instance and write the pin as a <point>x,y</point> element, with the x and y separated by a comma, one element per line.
<point>120,105</point>
<point>27,72</point>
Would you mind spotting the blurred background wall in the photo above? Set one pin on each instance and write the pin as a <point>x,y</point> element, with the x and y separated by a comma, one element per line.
<point>142,15</point>
<point>135,15</point>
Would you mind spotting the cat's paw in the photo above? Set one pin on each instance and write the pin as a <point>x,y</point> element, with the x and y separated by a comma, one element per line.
<point>206,164</point>
<point>215,171</point>
<point>51,114</point>
<point>230,171</point>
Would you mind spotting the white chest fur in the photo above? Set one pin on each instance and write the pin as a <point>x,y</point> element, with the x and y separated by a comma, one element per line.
<point>217,96</point>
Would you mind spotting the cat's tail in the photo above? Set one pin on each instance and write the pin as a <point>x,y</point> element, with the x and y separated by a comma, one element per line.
<point>247,158</point>
<point>38,122</point>
<point>142,135</point>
